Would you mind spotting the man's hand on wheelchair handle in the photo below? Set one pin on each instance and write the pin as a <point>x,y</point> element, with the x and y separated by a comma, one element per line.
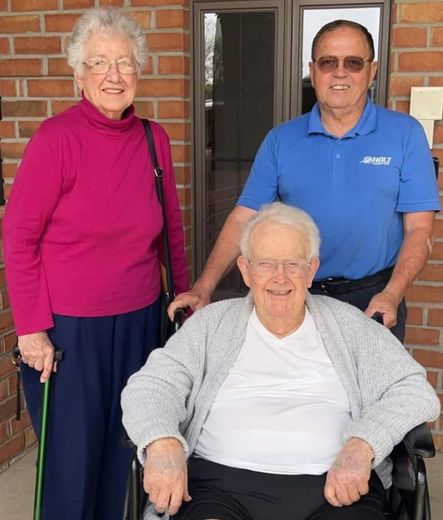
<point>348,478</point>
<point>165,475</point>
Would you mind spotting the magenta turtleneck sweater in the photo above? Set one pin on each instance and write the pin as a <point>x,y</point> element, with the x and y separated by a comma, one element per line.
<point>83,223</point>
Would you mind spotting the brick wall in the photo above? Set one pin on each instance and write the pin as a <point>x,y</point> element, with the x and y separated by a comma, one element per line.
<point>417,60</point>
<point>35,82</point>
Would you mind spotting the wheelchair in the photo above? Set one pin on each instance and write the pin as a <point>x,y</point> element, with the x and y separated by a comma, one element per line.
<point>407,498</point>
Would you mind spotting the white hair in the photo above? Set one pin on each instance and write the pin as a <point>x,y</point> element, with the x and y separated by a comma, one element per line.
<point>109,20</point>
<point>280,213</point>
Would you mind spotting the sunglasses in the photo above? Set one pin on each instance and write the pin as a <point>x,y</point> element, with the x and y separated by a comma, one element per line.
<point>350,63</point>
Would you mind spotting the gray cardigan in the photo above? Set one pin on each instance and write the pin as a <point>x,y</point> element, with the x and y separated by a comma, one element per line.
<point>172,394</point>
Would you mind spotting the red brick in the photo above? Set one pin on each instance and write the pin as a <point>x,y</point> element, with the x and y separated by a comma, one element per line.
<point>59,67</point>
<point>437,37</point>
<point>4,432</point>
<point>163,87</point>
<point>153,3</point>
<point>177,131</point>
<point>58,105</point>
<point>7,87</point>
<point>435,317</point>
<point>50,88</point>
<point>429,358</point>
<point>187,220</point>
<point>37,45</point>
<point>11,24</point>
<point>432,272</point>
<point>173,65</point>
<point>18,426</point>
<point>422,336</point>
<point>438,135</point>
<point>9,170</point>
<point>7,129</point>
<point>4,46</point>
<point>182,175</point>
<point>3,5</point>
<point>424,293</point>
<point>429,61</point>
<point>144,109</point>
<point>401,86</point>
<point>409,37</point>
<point>60,22</point>
<point>11,448</point>
<point>172,19</point>
<point>173,109</point>
<point>7,409</point>
<point>115,3</point>
<point>180,153</point>
<point>432,377</point>
<point>5,319</point>
<point>23,108</point>
<point>12,150</point>
<point>148,68</point>
<point>77,4</point>
<point>401,106</point>
<point>436,82</point>
<point>27,128</point>
<point>4,390</point>
<point>415,315</point>
<point>20,67</point>
<point>167,42</point>
<point>142,17</point>
<point>33,5</point>
<point>427,12</point>
<point>9,341</point>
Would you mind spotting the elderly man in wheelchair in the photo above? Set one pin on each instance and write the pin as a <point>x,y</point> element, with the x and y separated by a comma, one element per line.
<point>279,405</point>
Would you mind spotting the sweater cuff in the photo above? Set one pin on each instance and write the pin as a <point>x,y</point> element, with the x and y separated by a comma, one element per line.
<point>377,438</point>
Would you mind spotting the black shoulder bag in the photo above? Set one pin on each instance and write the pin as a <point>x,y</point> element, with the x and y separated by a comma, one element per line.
<point>167,327</point>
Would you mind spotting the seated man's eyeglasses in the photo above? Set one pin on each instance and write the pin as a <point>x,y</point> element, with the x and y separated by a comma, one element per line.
<point>269,267</point>
<point>350,63</point>
<point>103,66</point>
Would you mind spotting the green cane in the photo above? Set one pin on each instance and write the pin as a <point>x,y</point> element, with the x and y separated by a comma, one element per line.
<point>41,454</point>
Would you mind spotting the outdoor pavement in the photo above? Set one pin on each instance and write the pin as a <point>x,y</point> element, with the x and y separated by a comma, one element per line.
<point>17,488</point>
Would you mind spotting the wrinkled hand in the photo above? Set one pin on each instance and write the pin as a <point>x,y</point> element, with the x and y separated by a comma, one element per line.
<point>37,351</point>
<point>195,299</point>
<point>386,303</point>
<point>348,478</point>
<point>165,475</point>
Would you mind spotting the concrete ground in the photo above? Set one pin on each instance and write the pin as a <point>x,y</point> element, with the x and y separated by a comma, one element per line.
<point>17,488</point>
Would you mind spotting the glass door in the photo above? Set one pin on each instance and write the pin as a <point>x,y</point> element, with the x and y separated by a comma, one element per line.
<point>238,100</point>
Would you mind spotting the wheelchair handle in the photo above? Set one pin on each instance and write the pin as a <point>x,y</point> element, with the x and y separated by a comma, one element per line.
<point>378,317</point>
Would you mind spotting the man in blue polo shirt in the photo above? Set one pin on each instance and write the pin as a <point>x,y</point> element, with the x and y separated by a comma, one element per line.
<point>365,175</point>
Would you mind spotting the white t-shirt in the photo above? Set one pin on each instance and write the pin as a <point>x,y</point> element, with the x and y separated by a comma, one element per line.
<point>282,408</point>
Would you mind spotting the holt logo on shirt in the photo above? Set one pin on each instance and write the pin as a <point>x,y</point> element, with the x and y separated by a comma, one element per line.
<point>376,161</point>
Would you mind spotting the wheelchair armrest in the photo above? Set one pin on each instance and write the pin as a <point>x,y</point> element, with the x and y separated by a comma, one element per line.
<point>419,441</point>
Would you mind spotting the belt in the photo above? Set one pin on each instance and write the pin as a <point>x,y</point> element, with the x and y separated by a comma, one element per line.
<point>343,285</point>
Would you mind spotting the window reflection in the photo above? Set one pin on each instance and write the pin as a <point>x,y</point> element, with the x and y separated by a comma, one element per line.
<point>239,77</point>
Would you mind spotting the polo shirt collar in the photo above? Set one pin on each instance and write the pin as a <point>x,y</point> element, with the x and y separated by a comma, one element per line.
<point>365,125</point>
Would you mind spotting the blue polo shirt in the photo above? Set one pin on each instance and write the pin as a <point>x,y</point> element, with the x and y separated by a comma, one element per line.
<point>356,187</point>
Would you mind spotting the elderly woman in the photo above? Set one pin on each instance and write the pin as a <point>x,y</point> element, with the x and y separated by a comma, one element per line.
<point>284,403</point>
<point>82,235</point>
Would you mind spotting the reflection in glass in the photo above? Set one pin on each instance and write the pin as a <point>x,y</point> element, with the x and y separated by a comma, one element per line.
<point>239,110</point>
<point>313,21</point>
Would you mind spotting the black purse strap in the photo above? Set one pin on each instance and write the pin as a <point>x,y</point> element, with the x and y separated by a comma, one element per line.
<point>158,172</point>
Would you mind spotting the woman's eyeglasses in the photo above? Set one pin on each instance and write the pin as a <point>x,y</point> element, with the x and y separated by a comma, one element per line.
<point>350,63</point>
<point>103,66</point>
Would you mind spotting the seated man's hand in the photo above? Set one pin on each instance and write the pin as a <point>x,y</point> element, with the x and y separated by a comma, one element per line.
<point>165,475</point>
<point>348,478</point>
